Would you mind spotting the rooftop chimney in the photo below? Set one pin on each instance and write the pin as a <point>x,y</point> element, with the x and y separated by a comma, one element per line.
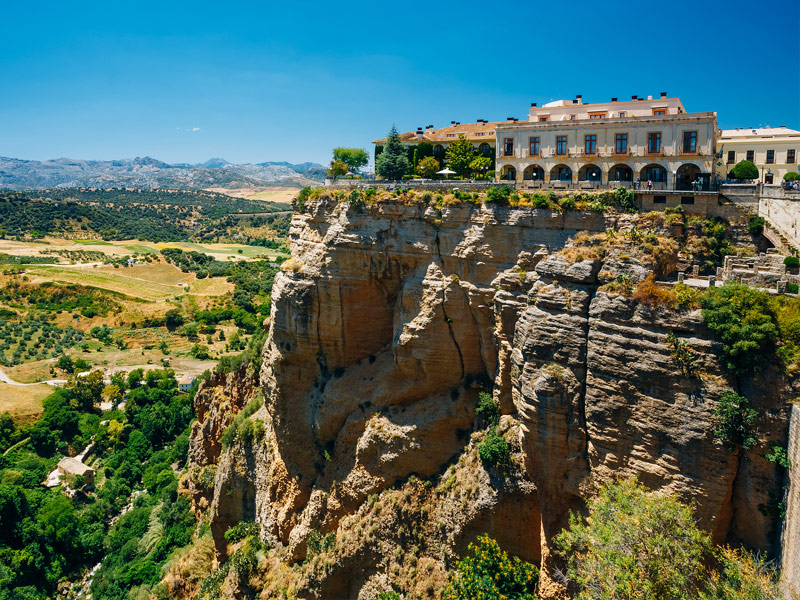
<point>649,97</point>
<point>533,104</point>
<point>663,94</point>
<point>613,99</point>
<point>509,119</point>
<point>429,128</point>
<point>634,97</point>
<point>575,101</point>
<point>579,97</point>
<point>419,132</point>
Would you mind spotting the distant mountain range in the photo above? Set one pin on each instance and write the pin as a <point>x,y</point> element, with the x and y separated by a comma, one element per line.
<point>151,173</point>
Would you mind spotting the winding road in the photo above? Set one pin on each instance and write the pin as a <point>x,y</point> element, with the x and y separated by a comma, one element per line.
<point>6,379</point>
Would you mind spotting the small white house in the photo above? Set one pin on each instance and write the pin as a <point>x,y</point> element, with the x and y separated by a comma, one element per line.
<point>185,383</point>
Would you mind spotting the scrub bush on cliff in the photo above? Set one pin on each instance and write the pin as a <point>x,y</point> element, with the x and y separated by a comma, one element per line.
<point>744,320</point>
<point>490,573</point>
<point>635,544</point>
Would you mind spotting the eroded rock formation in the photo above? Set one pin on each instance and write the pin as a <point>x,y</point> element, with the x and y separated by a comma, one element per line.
<point>386,323</point>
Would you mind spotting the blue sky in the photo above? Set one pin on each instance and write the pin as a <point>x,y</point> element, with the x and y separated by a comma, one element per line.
<point>251,82</point>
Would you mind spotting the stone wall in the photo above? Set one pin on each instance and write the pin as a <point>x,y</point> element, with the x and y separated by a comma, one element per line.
<point>782,209</point>
<point>791,525</point>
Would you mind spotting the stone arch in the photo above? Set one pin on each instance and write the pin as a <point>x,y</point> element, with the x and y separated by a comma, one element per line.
<point>653,172</point>
<point>620,172</point>
<point>508,173</point>
<point>561,173</point>
<point>686,175</point>
<point>534,173</point>
<point>590,172</point>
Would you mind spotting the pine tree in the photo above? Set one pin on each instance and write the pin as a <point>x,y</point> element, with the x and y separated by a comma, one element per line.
<point>392,163</point>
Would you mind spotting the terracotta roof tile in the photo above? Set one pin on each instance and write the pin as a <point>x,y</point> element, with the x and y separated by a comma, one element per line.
<point>450,133</point>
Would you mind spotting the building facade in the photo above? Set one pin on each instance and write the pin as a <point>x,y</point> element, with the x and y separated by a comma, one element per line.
<point>567,143</point>
<point>434,142</point>
<point>775,151</point>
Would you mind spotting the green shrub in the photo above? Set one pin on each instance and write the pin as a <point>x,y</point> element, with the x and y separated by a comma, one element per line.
<point>779,456</point>
<point>241,530</point>
<point>498,195</point>
<point>242,427</point>
<point>567,203</point>
<point>316,543</point>
<point>494,450</point>
<point>634,544</point>
<point>735,421</point>
<point>683,354</point>
<point>488,410</point>
<point>791,262</point>
<point>490,573</point>
<point>744,170</point>
<point>388,596</point>
<point>625,199</point>
<point>756,225</point>
<point>302,198</point>
<point>792,288</point>
<point>791,176</point>
<point>743,318</point>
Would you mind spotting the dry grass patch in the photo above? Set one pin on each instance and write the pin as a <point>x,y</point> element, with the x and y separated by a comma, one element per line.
<point>23,402</point>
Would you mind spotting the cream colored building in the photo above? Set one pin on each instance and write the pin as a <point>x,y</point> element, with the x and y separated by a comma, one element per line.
<point>774,150</point>
<point>568,143</point>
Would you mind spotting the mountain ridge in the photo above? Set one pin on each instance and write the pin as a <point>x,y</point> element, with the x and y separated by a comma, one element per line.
<point>150,173</point>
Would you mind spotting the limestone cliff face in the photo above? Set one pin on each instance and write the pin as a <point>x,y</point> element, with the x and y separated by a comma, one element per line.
<point>387,322</point>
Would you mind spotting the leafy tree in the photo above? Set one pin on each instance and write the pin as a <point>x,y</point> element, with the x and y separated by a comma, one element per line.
<point>337,169</point>
<point>490,574</point>
<point>86,391</point>
<point>756,225</point>
<point>65,363</point>
<point>735,421</point>
<point>353,158</point>
<point>744,170</point>
<point>459,155</point>
<point>428,167</point>
<point>113,394</point>
<point>744,320</point>
<point>392,163</point>
<point>480,164</point>
<point>173,319</point>
<point>634,544</point>
<point>791,176</point>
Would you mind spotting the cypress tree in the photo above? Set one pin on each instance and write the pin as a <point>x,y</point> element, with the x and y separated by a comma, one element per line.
<point>392,163</point>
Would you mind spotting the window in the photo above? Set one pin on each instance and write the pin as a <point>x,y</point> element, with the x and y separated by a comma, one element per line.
<point>654,142</point>
<point>451,135</point>
<point>534,146</point>
<point>561,144</point>
<point>690,141</point>
<point>597,116</point>
<point>659,112</point>
<point>750,154</point>
<point>770,157</point>
<point>542,119</point>
<point>480,134</point>
<point>573,117</point>
<point>687,199</point>
<point>790,157</point>
<point>731,156</point>
<point>622,115</point>
<point>590,144</point>
<point>659,199</point>
<point>508,147</point>
<point>621,143</point>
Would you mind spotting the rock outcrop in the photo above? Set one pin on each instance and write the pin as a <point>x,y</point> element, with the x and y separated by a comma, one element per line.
<point>387,322</point>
